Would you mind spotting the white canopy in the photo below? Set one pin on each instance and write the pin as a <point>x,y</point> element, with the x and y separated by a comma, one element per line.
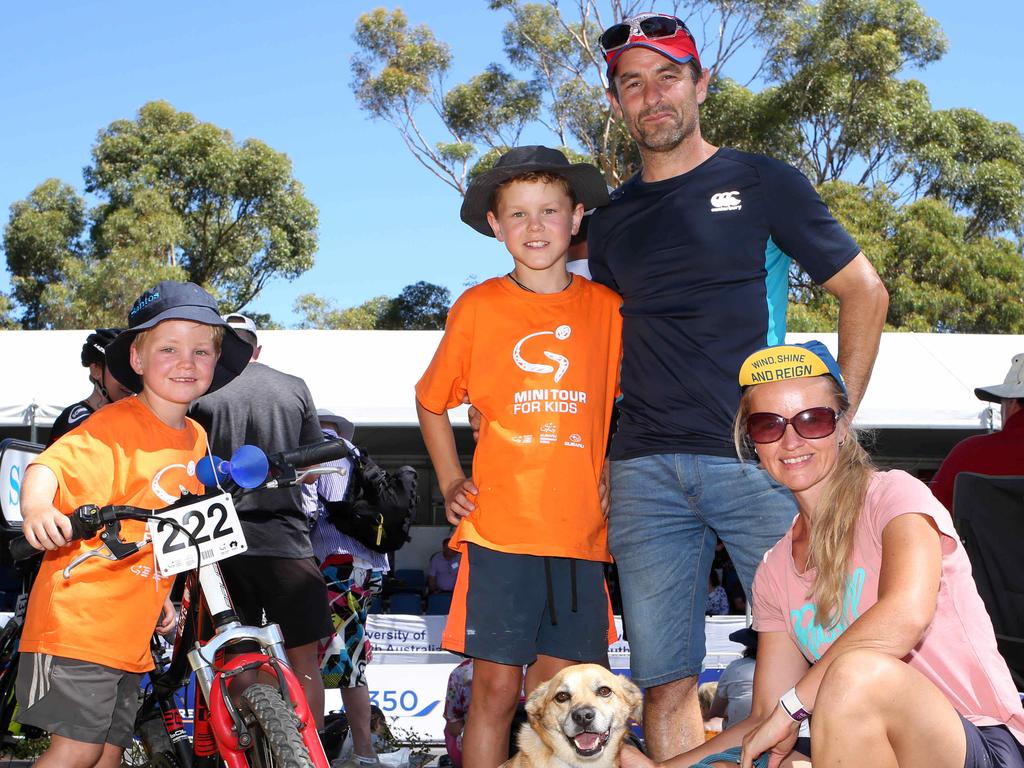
<point>920,381</point>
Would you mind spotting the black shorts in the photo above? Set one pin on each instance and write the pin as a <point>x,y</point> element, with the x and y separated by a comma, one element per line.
<point>988,746</point>
<point>991,746</point>
<point>289,592</point>
<point>508,608</point>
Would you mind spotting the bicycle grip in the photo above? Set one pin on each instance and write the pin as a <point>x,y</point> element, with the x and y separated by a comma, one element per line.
<point>21,550</point>
<point>308,455</point>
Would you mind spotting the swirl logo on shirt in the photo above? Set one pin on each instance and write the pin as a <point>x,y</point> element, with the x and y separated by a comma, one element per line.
<point>814,639</point>
<point>165,496</point>
<point>561,333</point>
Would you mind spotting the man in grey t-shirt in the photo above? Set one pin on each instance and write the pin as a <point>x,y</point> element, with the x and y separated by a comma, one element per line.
<point>277,575</point>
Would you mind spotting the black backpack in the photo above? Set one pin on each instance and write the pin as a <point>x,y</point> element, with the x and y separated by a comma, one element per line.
<point>378,506</point>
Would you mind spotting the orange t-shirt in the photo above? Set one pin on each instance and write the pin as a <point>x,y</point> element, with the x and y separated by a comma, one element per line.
<point>543,370</point>
<point>107,611</point>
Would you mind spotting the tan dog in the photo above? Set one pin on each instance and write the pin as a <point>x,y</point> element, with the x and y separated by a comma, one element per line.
<point>577,719</point>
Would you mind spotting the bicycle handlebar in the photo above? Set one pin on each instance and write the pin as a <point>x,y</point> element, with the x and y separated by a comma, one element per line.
<point>87,520</point>
<point>308,455</point>
<point>22,550</point>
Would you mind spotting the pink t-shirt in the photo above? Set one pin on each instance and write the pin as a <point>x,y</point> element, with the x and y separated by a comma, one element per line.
<point>958,650</point>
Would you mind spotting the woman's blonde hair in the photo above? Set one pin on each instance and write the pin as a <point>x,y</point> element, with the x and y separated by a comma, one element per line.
<point>835,518</point>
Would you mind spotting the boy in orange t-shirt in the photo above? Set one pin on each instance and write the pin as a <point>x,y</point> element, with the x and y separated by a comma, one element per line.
<point>86,639</point>
<point>537,351</point>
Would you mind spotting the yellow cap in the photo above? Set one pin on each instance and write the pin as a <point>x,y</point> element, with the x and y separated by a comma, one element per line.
<point>789,361</point>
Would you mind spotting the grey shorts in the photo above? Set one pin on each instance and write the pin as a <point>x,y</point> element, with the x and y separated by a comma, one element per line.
<point>508,608</point>
<point>76,699</point>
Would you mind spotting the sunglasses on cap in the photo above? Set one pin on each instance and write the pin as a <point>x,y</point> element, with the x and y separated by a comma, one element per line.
<point>812,424</point>
<point>653,27</point>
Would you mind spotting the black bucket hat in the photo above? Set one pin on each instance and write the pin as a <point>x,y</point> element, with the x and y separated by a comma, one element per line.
<point>746,637</point>
<point>586,181</point>
<point>171,300</point>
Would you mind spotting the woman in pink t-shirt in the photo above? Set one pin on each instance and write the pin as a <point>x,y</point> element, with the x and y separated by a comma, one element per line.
<point>867,614</point>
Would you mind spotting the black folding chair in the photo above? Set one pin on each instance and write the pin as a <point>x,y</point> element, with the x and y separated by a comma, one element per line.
<point>988,512</point>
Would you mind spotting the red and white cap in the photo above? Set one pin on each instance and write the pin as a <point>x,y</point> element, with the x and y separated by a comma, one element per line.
<point>680,47</point>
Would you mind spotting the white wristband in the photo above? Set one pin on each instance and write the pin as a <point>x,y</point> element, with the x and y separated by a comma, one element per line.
<point>792,706</point>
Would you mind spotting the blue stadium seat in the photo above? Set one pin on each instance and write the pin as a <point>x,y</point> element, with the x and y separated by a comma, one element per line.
<point>406,602</point>
<point>409,580</point>
<point>439,603</point>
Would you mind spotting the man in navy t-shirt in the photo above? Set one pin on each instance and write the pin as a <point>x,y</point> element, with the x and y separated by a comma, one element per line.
<point>699,245</point>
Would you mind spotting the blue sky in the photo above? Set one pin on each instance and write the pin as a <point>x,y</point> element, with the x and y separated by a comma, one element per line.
<point>279,72</point>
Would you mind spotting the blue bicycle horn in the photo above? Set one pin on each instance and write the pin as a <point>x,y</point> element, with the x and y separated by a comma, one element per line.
<point>248,467</point>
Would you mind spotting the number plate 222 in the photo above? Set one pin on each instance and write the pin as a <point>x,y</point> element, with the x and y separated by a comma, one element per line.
<point>212,522</point>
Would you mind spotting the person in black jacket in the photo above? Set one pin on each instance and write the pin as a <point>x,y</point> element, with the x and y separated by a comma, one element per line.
<point>105,388</point>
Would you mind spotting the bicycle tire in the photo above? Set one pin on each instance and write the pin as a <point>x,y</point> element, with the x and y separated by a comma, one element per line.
<point>136,756</point>
<point>274,728</point>
<point>151,746</point>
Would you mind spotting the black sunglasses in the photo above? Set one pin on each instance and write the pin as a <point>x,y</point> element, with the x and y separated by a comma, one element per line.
<point>651,27</point>
<point>812,424</point>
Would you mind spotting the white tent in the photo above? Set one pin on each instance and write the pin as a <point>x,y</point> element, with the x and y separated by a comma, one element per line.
<point>920,381</point>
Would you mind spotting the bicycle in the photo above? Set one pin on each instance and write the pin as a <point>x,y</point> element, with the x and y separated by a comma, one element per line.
<point>15,455</point>
<point>270,725</point>
<point>10,637</point>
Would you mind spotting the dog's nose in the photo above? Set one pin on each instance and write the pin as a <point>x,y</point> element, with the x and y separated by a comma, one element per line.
<point>583,716</point>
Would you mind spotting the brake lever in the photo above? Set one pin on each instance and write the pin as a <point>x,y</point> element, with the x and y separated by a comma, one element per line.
<point>112,547</point>
<point>297,477</point>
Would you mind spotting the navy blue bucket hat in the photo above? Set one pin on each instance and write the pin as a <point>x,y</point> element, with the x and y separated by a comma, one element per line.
<point>171,300</point>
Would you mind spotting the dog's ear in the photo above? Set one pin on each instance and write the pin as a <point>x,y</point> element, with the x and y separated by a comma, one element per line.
<point>634,697</point>
<point>535,702</point>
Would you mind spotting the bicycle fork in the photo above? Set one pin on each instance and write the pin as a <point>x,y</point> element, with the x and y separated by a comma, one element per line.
<point>213,680</point>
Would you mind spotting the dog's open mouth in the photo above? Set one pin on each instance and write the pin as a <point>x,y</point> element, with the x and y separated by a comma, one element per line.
<point>588,743</point>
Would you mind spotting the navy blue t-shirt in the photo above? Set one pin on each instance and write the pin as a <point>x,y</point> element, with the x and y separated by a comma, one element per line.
<point>702,263</point>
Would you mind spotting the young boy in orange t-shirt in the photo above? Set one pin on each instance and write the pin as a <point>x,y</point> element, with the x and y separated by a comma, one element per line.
<point>537,352</point>
<point>86,639</point>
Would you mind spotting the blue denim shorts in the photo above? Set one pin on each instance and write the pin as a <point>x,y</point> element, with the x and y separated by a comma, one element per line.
<point>666,512</point>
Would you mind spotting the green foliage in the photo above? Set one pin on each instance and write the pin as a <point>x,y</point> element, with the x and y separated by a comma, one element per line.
<point>735,116</point>
<point>179,200</point>
<point>22,748</point>
<point>43,233</point>
<point>938,278</point>
<point>977,166</point>
<point>492,107</point>
<point>837,65</point>
<point>397,72</point>
<point>557,79</point>
<point>421,306</point>
<point>317,312</point>
<point>929,195</point>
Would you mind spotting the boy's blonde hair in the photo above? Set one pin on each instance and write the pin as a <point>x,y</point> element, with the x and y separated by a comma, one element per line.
<point>217,332</point>
<point>538,177</point>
